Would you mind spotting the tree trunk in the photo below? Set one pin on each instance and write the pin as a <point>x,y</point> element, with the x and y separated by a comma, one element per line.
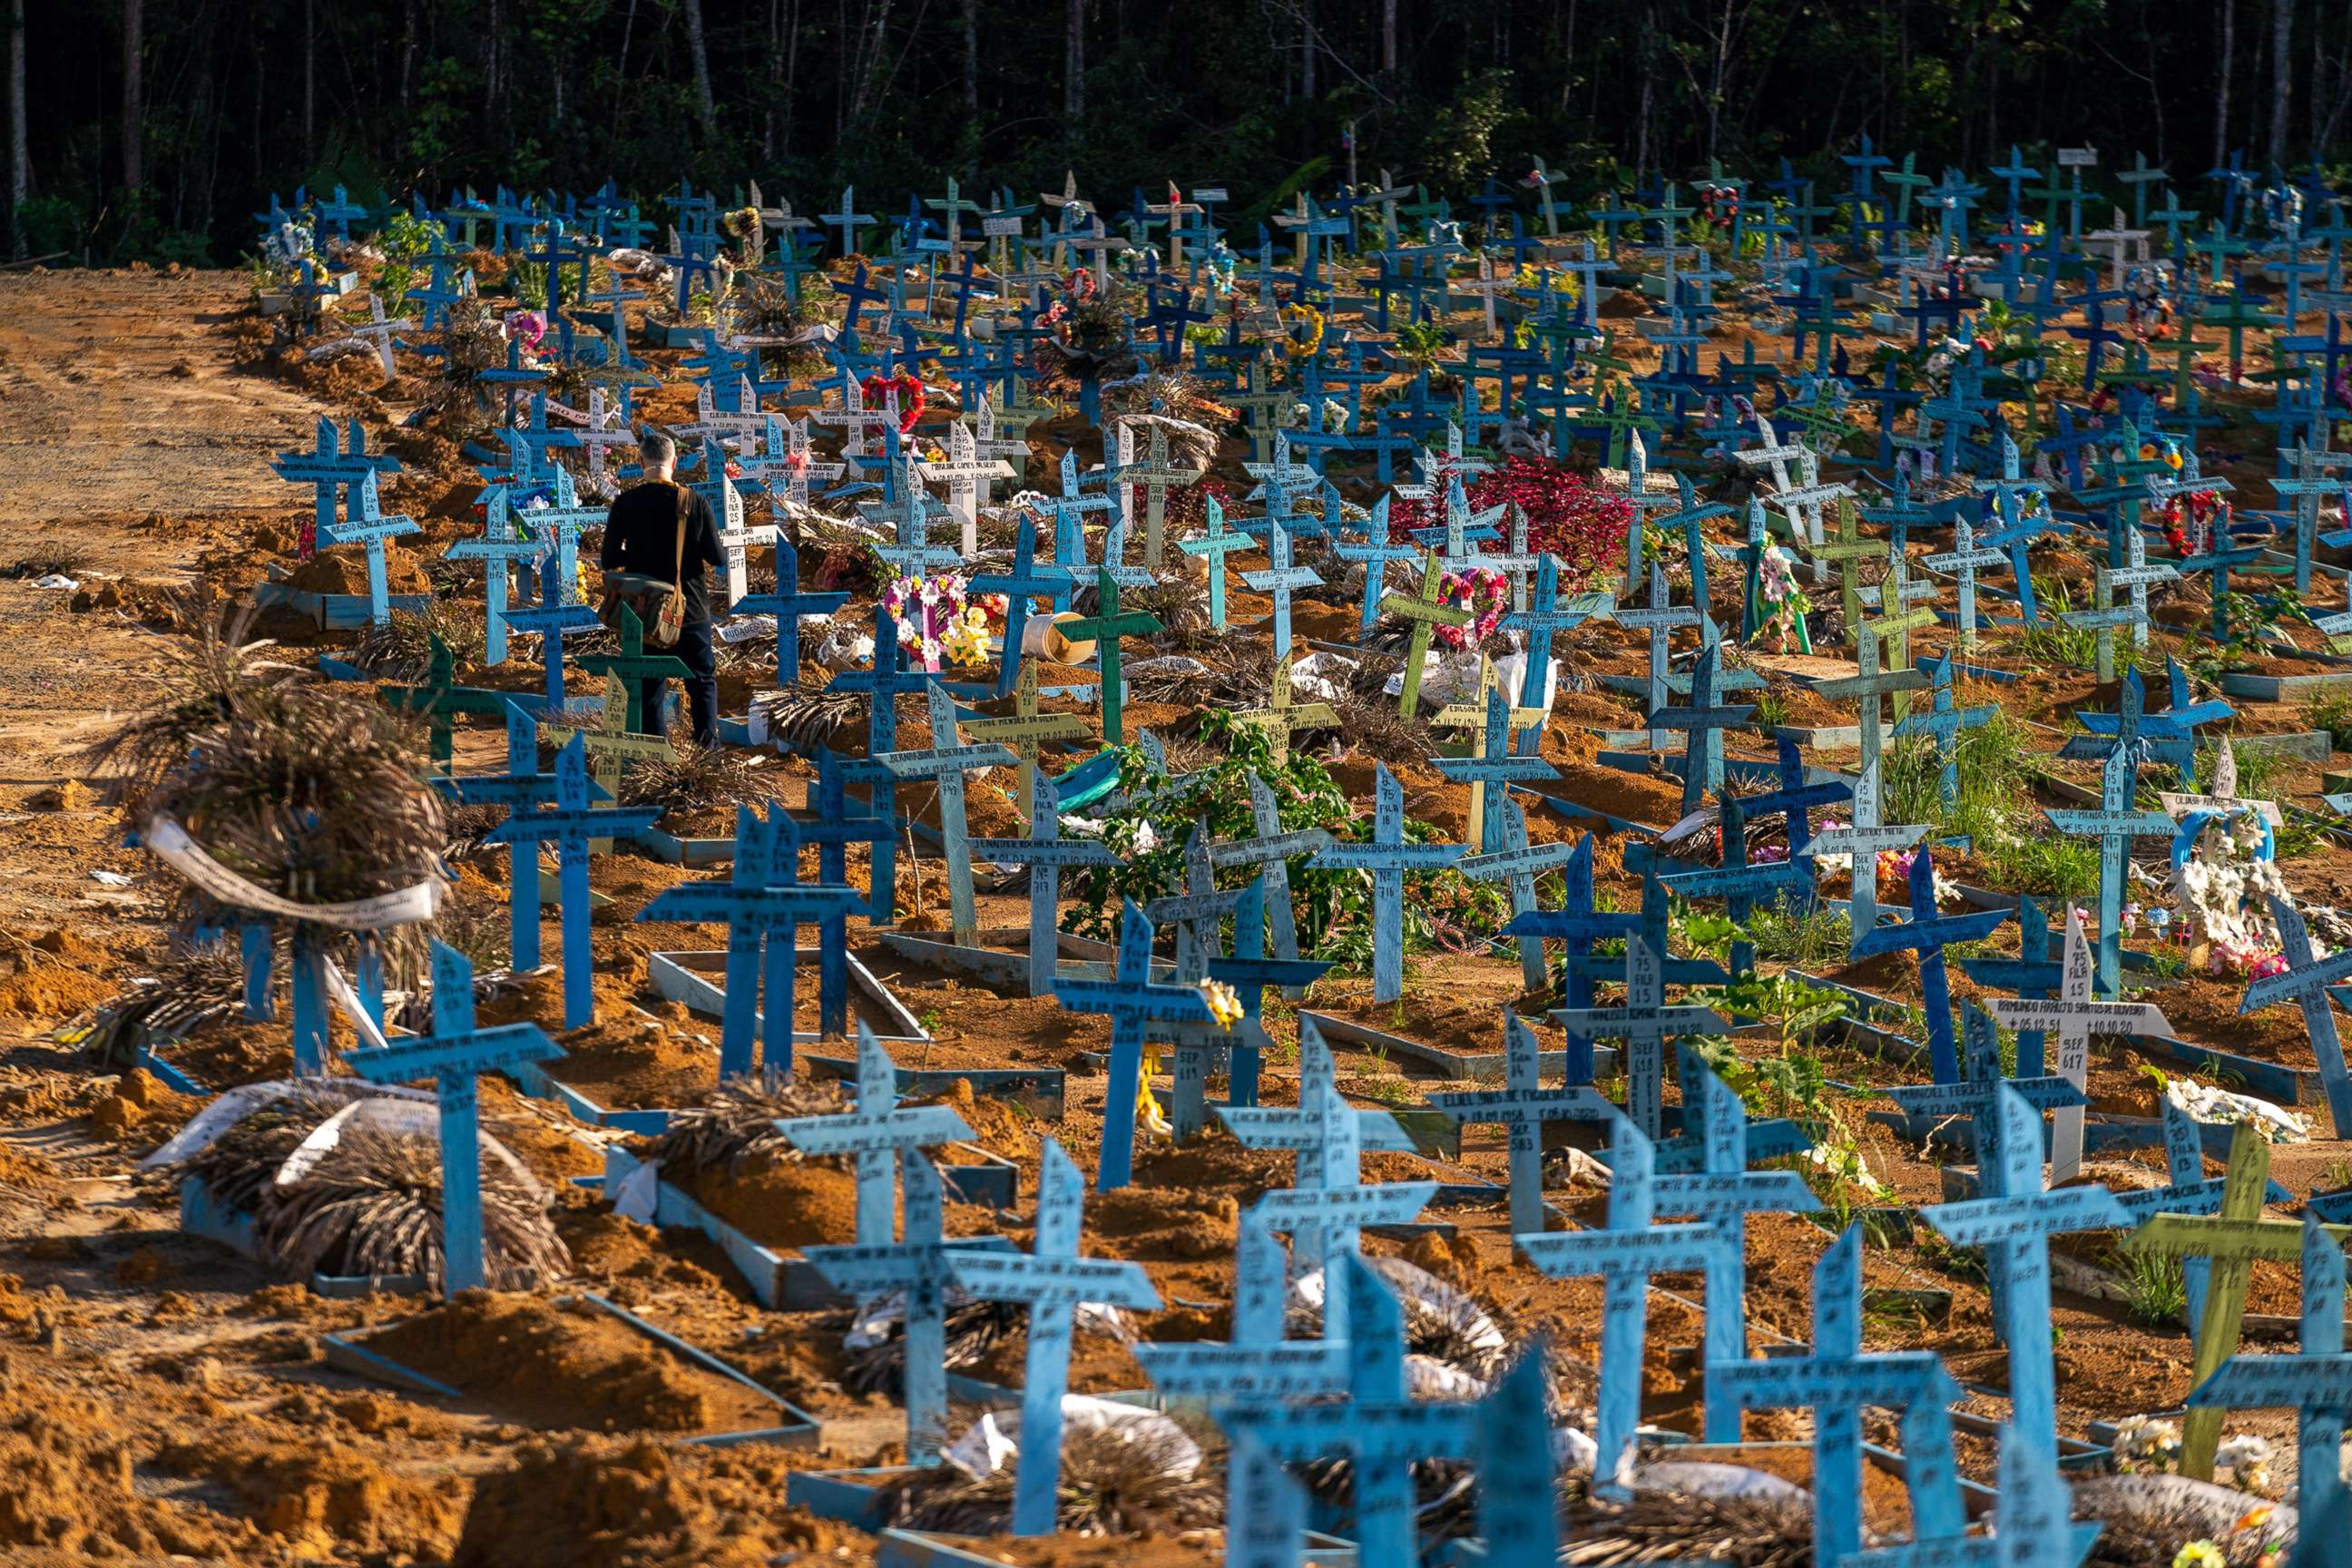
<point>134,170</point>
<point>407,50</point>
<point>20,165</point>
<point>310,78</point>
<point>706,108</point>
<point>1073,61</point>
<point>2282,75</point>
<point>1307,49</point>
<point>1387,36</point>
<point>972,59</point>
<point>2222,85</point>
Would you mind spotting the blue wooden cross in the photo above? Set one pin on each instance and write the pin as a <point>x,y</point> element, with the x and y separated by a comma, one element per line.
<point>832,829</point>
<point>334,466</point>
<point>1214,546</point>
<point>1327,1215</point>
<point>1132,1000</point>
<point>570,824</point>
<point>1026,582</point>
<point>1379,1426</point>
<point>1721,1194</point>
<point>1374,555</point>
<point>763,905</point>
<point>1281,579</point>
<point>1046,854</point>
<point>1625,1253</point>
<point>1490,772</point>
<point>2114,825</point>
<point>500,548</point>
<point>1518,863</point>
<point>1943,724</point>
<point>1388,857</point>
<point>878,1132</point>
<point>2305,983</point>
<point>2013,1219</point>
<point>788,604</point>
<point>1645,1023</point>
<point>1271,850</point>
<point>2032,973</point>
<point>1249,970</point>
<point>373,529</point>
<point>945,762</point>
<point>522,787</point>
<point>1658,618</point>
<point>920,1267</point>
<point>1970,1100</point>
<point>1542,620</point>
<point>1199,913</point>
<point>1702,722</point>
<point>1052,1281</point>
<point>884,684</point>
<point>1925,934</point>
<point>1837,1381</point>
<point>1524,1106</point>
<point>453,1055</point>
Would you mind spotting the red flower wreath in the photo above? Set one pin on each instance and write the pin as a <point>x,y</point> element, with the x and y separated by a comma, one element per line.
<point>877,390</point>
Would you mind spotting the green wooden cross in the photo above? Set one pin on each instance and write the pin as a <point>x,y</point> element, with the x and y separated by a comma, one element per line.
<point>1104,628</point>
<point>1216,546</point>
<point>610,742</point>
<point>2186,347</point>
<point>2233,1239</point>
<point>1895,622</point>
<point>635,666</point>
<point>2237,316</point>
<point>1426,611</point>
<point>1284,716</point>
<point>1848,549</point>
<point>440,699</point>
<point>1025,730</point>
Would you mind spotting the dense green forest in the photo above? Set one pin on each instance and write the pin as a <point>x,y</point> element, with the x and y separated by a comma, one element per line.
<point>153,128</point>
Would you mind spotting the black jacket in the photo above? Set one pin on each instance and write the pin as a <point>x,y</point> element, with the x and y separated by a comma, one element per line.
<point>641,536</point>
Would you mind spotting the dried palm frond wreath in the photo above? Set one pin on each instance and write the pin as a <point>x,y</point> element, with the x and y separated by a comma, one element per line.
<point>736,1122</point>
<point>369,1205</point>
<point>1123,1479</point>
<point>308,788</point>
<point>197,985</point>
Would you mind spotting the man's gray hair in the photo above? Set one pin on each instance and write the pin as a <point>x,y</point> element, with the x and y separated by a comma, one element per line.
<point>655,449</point>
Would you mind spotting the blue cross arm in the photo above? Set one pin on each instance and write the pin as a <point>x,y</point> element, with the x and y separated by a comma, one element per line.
<point>1165,1003</point>
<point>2293,984</point>
<point>1709,1195</point>
<point>1719,881</point>
<point>2102,824</point>
<point>1620,1023</point>
<point>1653,1249</point>
<point>1054,1281</point>
<point>1917,933</point>
<point>2279,1382</point>
<point>1968,1099</point>
<point>1980,1222</point>
<point>871,1267</point>
<point>1247,1373</point>
<point>1569,925</point>
<point>1524,1106</point>
<point>1391,1435</point>
<point>694,903</point>
<point>1388,1203</point>
<point>887,1132</point>
<point>1242,972</point>
<point>617,822</point>
<point>1371,856</point>
<point>1889,1379</point>
<point>480,1050</point>
<point>1063,852</point>
<point>1510,768</point>
<point>1278,1126</point>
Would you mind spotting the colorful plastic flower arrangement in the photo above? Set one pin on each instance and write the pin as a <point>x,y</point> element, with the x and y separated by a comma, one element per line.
<point>1486,594</point>
<point>1785,603</point>
<point>938,618</point>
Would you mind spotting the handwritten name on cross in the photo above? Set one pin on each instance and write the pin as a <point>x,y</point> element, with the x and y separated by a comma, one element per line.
<point>1052,1281</point>
<point>1388,857</point>
<point>454,1055</point>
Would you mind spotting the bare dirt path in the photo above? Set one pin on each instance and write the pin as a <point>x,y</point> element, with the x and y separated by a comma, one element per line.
<point>129,437</point>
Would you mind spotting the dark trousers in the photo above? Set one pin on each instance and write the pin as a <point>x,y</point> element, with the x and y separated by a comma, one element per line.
<point>694,651</point>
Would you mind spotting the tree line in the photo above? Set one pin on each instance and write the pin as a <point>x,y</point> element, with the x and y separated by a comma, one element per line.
<point>153,131</point>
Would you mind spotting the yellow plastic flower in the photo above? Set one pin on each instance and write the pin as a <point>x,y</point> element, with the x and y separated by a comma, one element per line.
<point>1148,1114</point>
<point>1224,1004</point>
<point>2200,1554</point>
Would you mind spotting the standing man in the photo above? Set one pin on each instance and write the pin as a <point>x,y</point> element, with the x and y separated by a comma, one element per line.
<point>661,531</point>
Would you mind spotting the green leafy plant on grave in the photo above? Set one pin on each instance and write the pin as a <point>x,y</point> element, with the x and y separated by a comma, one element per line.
<point>1991,807</point>
<point>1421,343</point>
<point>404,237</point>
<point>2056,642</point>
<point>2331,711</point>
<point>2156,1291</point>
<point>2254,626</point>
<point>1442,910</point>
